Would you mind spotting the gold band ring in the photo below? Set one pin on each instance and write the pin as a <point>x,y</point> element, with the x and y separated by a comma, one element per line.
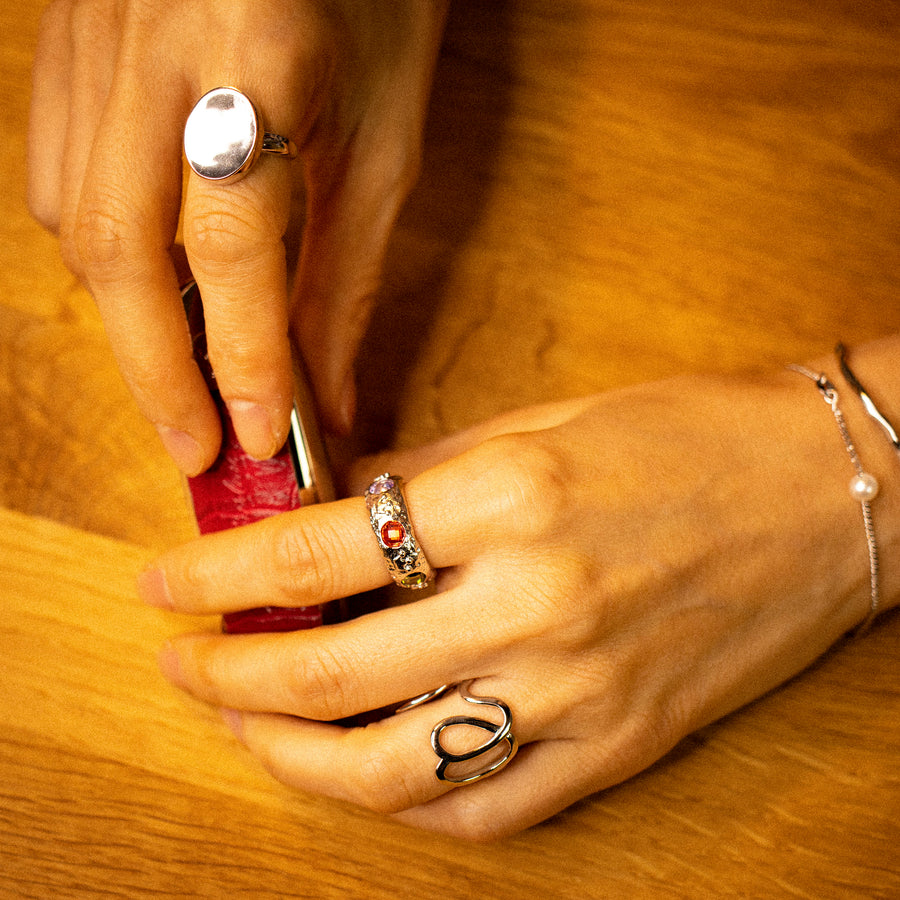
<point>393,530</point>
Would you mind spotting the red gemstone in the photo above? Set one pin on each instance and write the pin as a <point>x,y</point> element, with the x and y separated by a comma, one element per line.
<point>393,534</point>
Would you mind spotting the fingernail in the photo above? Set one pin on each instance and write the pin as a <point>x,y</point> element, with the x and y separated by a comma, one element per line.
<point>235,721</point>
<point>253,425</point>
<point>153,588</point>
<point>170,665</point>
<point>184,449</point>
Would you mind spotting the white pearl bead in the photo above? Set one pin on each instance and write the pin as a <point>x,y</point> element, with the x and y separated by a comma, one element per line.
<point>864,487</point>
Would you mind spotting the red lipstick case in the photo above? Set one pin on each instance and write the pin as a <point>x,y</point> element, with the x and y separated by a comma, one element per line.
<point>238,489</point>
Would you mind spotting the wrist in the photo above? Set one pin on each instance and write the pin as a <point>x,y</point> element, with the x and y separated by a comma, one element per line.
<point>875,365</point>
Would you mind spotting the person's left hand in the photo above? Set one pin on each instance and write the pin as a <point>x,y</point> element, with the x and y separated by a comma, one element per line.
<point>606,568</point>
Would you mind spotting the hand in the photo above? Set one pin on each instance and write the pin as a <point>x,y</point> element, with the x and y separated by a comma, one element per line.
<point>620,570</point>
<point>114,81</point>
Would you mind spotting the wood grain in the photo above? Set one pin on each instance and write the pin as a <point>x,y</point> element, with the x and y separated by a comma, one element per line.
<point>113,782</point>
<point>612,192</point>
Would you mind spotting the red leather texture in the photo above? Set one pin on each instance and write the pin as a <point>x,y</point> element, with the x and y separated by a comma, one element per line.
<point>237,490</point>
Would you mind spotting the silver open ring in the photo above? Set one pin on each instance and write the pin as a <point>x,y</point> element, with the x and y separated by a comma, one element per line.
<point>422,699</point>
<point>224,136</point>
<point>492,755</point>
<point>393,530</point>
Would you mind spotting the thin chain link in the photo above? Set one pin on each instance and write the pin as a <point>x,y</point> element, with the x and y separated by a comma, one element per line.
<point>830,394</point>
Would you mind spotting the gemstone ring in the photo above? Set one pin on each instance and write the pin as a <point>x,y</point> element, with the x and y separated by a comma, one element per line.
<point>393,530</point>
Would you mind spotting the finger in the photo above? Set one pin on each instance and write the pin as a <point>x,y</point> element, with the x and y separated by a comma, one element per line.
<point>234,233</point>
<point>387,766</point>
<point>547,776</point>
<point>542,780</point>
<point>377,660</point>
<point>390,767</point>
<point>333,672</point>
<point>49,117</point>
<point>353,205</point>
<point>344,244</point>
<point>419,459</point>
<point>93,36</point>
<point>234,238</point>
<point>100,172</point>
<point>234,241</point>
<point>291,749</point>
<point>317,554</point>
<point>487,501</point>
<point>124,228</point>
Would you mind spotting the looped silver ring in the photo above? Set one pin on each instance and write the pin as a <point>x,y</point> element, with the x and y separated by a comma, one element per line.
<point>224,136</point>
<point>498,749</point>
<point>394,532</point>
<point>422,699</point>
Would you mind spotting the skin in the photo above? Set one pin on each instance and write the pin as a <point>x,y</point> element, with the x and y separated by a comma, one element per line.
<point>594,536</point>
<point>114,81</point>
<point>606,565</point>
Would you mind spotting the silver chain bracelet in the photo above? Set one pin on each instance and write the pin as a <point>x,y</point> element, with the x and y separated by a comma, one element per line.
<point>863,487</point>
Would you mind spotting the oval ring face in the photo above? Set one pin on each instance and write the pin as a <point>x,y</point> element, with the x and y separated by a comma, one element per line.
<point>222,135</point>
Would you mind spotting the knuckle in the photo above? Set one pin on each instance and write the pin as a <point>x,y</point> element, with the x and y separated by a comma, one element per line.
<point>152,376</point>
<point>99,238</point>
<point>207,666</point>
<point>384,784</point>
<point>225,234</point>
<point>529,485</point>
<point>481,829</point>
<point>319,683</point>
<point>648,733</point>
<point>301,565</point>
<point>245,360</point>
<point>468,819</point>
<point>550,610</point>
<point>669,722</point>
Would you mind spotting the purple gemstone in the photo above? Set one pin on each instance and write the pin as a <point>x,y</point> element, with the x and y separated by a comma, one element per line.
<point>381,486</point>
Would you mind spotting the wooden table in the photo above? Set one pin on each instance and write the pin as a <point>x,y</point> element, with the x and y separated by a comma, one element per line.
<point>613,192</point>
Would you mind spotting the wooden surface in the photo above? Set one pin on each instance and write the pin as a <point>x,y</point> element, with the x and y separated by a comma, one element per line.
<point>613,192</point>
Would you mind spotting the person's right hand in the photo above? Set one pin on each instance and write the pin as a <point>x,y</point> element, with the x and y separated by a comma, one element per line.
<point>114,81</point>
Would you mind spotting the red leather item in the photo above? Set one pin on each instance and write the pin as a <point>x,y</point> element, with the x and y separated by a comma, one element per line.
<point>238,489</point>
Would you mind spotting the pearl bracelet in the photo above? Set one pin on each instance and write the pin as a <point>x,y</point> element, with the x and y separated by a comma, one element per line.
<point>863,487</point>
